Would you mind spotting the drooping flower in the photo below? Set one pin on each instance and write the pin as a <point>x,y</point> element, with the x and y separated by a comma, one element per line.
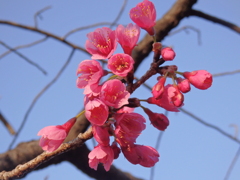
<point>158,88</point>
<point>96,112</point>
<point>101,154</point>
<point>168,54</point>
<point>101,43</point>
<point>120,64</point>
<point>146,156</point>
<point>116,149</point>
<point>101,135</point>
<point>128,127</point>
<point>128,37</point>
<point>53,136</point>
<point>114,93</point>
<point>159,121</point>
<point>90,72</point>
<point>144,15</point>
<point>201,79</point>
<point>183,85</point>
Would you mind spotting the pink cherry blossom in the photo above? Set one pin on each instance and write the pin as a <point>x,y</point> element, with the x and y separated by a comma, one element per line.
<point>175,95</point>
<point>113,93</point>
<point>90,72</point>
<point>128,127</point>
<point>101,135</point>
<point>168,54</point>
<point>168,98</point>
<point>116,149</point>
<point>159,121</point>
<point>201,79</point>
<point>92,90</point>
<point>146,156</point>
<point>121,64</point>
<point>128,37</point>
<point>125,109</point>
<point>53,136</point>
<point>101,154</point>
<point>96,112</point>
<point>144,15</point>
<point>101,43</point>
<point>158,88</point>
<point>183,85</point>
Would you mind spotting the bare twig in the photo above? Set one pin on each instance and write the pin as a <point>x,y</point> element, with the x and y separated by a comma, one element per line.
<point>21,170</point>
<point>44,33</point>
<point>85,27</point>
<point>119,14</point>
<point>24,46</point>
<point>24,57</point>
<point>215,20</point>
<point>232,164</point>
<point>186,28</point>
<point>235,126</point>
<point>8,126</point>
<point>210,125</point>
<point>226,73</point>
<point>39,95</point>
<point>38,14</point>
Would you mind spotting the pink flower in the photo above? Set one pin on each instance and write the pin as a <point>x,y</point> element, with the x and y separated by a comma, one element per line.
<point>90,72</point>
<point>101,135</point>
<point>170,100</point>
<point>116,149</point>
<point>168,54</point>
<point>53,136</point>
<point>158,88</point>
<point>146,156</point>
<point>201,79</point>
<point>96,112</point>
<point>101,43</point>
<point>159,121</point>
<point>128,127</point>
<point>128,37</point>
<point>92,90</point>
<point>175,95</point>
<point>183,85</point>
<point>121,64</point>
<point>101,154</point>
<point>125,109</point>
<point>113,93</point>
<point>144,15</point>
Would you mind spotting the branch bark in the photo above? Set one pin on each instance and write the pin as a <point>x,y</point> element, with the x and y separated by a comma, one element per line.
<point>215,20</point>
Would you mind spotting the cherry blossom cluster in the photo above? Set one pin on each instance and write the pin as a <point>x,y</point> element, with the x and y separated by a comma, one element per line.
<point>108,106</point>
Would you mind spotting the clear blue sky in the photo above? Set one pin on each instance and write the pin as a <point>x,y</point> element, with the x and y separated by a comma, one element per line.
<point>189,150</point>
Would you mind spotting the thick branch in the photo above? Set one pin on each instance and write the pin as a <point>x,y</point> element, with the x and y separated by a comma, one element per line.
<point>215,20</point>
<point>21,170</point>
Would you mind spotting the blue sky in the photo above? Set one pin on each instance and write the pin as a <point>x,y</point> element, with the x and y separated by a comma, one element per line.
<point>188,150</point>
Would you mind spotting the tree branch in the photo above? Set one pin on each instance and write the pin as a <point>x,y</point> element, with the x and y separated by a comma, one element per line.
<point>14,24</point>
<point>24,57</point>
<point>23,46</point>
<point>215,20</point>
<point>21,170</point>
<point>6,124</point>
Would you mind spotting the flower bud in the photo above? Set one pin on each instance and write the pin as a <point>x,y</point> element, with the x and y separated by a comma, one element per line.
<point>168,54</point>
